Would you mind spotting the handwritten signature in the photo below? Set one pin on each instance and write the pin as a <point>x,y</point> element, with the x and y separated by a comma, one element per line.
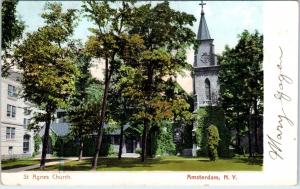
<point>283,119</point>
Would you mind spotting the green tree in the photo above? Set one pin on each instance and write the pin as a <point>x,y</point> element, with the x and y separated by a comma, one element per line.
<point>83,109</point>
<point>120,106</point>
<point>47,65</point>
<point>212,142</point>
<point>84,117</point>
<point>105,43</point>
<point>166,36</point>
<point>241,86</point>
<point>12,29</point>
<point>37,142</point>
<point>182,103</point>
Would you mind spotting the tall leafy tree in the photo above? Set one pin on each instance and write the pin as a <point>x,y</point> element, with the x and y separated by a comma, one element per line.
<point>11,29</point>
<point>241,85</point>
<point>110,22</point>
<point>83,108</point>
<point>48,66</point>
<point>120,107</point>
<point>166,35</point>
<point>181,103</point>
<point>84,116</point>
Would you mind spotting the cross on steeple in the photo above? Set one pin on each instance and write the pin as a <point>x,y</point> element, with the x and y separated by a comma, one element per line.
<point>202,4</point>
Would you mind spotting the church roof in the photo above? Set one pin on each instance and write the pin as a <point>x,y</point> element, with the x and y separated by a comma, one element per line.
<point>203,33</point>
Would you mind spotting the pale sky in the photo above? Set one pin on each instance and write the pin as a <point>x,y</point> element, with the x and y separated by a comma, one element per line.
<point>225,20</point>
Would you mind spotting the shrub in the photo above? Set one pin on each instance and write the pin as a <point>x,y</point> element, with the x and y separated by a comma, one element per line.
<point>37,142</point>
<point>111,150</point>
<point>205,117</point>
<point>35,154</point>
<point>138,151</point>
<point>162,142</point>
<point>212,142</point>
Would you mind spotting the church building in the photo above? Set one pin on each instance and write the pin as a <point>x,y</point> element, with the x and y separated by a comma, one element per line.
<point>205,68</point>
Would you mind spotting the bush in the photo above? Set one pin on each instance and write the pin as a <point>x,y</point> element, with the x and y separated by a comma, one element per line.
<point>212,142</point>
<point>111,150</point>
<point>37,142</point>
<point>138,151</point>
<point>207,116</point>
<point>68,146</point>
<point>162,140</point>
<point>35,154</point>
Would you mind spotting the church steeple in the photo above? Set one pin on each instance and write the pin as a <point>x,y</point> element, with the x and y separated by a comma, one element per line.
<point>203,33</point>
<point>205,76</point>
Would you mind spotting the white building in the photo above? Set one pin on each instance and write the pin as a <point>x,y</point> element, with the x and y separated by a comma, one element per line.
<point>15,115</point>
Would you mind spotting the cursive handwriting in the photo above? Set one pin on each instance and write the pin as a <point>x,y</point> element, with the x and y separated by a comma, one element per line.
<point>283,119</point>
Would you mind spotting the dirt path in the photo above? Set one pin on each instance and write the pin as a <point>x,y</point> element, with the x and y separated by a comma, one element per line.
<point>61,161</point>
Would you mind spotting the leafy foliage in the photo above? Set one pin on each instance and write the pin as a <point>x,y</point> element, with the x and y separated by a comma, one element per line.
<point>213,142</point>
<point>48,69</point>
<point>241,68</point>
<point>48,66</point>
<point>162,140</point>
<point>12,27</point>
<point>12,30</point>
<point>205,117</point>
<point>161,54</point>
<point>83,110</point>
<point>106,43</point>
<point>37,142</point>
<point>68,146</point>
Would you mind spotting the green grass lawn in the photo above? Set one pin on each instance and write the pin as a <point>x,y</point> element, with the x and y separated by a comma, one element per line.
<point>16,163</point>
<point>162,164</point>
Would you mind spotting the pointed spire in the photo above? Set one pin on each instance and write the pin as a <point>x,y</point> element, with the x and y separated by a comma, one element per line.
<point>203,33</point>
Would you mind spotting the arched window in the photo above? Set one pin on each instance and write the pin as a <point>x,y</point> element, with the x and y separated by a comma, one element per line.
<point>207,89</point>
<point>26,140</point>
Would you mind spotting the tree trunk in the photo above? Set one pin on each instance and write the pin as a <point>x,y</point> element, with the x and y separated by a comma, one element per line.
<point>238,139</point>
<point>148,92</point>
<point>45,141</point>
<point>149,140</point>
<point>249,135</point>
<point>255,126</point>
<point>121,142</point>
<point>238,136</point>
<point>144,142</point>
<point>108,74</point>
<point>80,149</point>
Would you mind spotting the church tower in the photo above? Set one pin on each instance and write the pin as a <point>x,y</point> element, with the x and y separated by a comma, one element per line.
<point>205,68</point>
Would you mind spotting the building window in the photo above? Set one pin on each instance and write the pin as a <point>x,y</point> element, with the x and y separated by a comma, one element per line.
<point>11,111</point>
<point>27,111</point>
<point>10,150</point>
<point>10,132</point>
<point>26,140</point>
<point>26,122</point>
<point>61,117</point>
<point>115,140</point>
<point>12,92</point>
<point>207,89</point>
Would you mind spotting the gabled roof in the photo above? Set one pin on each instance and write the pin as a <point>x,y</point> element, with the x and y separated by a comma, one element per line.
<point>203,33</point>
<point>60,129</point>
<point>63,129</point>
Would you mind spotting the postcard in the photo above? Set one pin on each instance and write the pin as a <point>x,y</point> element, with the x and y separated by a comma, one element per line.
<point>149,93</point>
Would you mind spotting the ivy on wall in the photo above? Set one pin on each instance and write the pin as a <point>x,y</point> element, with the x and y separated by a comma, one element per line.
<point>212,116</point>
<point>162,140</point>
<point>37,142</point>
